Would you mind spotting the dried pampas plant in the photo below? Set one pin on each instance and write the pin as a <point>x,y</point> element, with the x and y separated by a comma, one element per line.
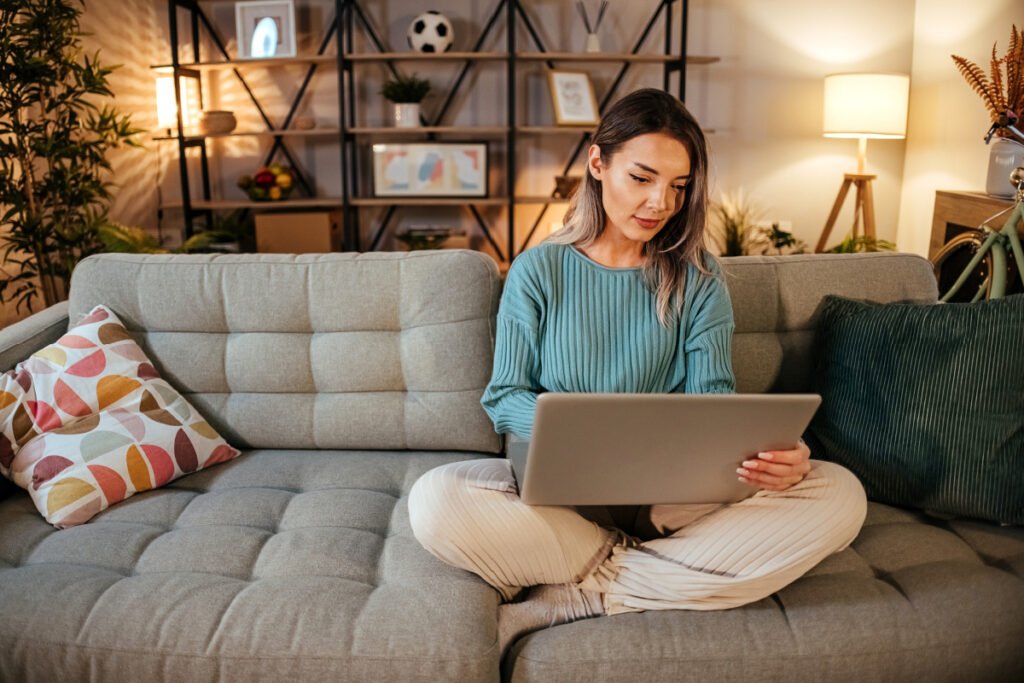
<point>1001,92</point>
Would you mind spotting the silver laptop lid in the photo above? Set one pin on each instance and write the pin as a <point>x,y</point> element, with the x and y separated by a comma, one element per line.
<point>642,449</point>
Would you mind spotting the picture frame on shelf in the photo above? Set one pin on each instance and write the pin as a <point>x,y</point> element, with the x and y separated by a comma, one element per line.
<point>430,169</point>
<point>265,28</point>
<point>572,98</point>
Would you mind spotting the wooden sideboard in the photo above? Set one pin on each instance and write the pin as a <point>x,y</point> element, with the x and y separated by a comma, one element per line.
<point>957,211</point>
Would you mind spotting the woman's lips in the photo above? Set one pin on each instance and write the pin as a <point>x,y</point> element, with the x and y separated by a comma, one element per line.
<point>647,223</point>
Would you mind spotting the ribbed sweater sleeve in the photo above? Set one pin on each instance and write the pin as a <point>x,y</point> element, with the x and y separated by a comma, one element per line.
<point>510,399</point>
<point>708,342</point>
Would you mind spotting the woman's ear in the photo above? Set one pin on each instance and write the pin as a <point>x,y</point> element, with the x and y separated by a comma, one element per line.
<point>594,164</point>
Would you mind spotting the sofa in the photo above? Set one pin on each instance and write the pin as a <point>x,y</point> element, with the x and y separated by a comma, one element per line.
<point>343,378</point>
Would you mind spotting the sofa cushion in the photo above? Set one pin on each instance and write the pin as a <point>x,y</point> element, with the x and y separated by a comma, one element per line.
<point>278,565</point>
<point>387,350</point>
<point>924,403</point>
<point>911,599</point>
<point>776,301</point>
<point>86,422</point>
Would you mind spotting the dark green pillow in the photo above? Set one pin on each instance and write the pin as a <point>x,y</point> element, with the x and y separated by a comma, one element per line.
<point>925,403</point>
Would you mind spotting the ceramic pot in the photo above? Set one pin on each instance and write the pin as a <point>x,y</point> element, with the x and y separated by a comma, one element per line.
<point>1004,155</point>
<point>216,122</point>
<point>593,44</point>
<point>407,114</point>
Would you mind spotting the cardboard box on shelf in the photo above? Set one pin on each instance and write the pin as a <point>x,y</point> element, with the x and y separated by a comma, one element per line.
<point>298,233</point>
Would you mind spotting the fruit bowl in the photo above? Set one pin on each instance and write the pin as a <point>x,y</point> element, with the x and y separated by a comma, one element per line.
<point>269,183</point>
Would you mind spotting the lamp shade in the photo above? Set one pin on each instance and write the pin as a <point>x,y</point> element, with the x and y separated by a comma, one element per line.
<point>866,105</point>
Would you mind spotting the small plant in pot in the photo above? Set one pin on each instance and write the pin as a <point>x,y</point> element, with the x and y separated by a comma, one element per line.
<point>56,129</point>
<point>406,92</point>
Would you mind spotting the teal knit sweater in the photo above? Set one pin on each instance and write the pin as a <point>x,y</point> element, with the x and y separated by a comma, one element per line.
<point>569,324</point>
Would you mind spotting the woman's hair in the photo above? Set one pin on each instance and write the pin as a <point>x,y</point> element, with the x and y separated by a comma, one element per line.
<point>682,240</point>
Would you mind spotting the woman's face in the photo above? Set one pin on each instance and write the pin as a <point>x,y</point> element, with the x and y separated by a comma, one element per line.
<point>642,185</point>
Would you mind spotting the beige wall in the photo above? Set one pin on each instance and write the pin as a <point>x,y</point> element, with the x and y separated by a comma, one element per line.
<point>945,150</point>
<point>764,100</point>
<point>129,33</point>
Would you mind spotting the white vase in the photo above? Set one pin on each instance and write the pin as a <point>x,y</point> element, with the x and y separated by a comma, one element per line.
<point>1004,156</point>
<point>407,115</point>
<point>593,44</point>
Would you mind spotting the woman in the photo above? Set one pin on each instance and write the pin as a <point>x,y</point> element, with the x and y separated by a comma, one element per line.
<point>626,298</point>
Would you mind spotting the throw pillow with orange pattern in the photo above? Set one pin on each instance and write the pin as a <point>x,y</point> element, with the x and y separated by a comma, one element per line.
<point>87,422</point>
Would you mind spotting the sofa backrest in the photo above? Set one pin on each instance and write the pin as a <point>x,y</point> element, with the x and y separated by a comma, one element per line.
<point>776,300</point>
<point>379,350</point>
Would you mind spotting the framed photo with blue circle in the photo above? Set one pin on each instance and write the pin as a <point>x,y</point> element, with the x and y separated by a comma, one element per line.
<point>265,29</point>
<point>430,169</point>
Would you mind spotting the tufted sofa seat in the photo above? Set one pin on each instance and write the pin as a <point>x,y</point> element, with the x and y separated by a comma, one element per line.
<point>913,598</point>
<point>279,565</point>
<point>344,377</point>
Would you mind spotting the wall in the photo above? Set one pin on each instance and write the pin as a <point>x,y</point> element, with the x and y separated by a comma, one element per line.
<point>129,33</point>
<point>765,100</point>
<point>945,150</point>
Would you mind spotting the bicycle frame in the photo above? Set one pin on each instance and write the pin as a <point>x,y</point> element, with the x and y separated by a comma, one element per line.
<point>994,242</point>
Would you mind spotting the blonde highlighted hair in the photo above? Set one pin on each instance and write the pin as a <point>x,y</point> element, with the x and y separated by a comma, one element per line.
<point>682,241</point>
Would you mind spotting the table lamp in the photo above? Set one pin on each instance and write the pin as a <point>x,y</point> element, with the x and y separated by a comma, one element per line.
<point>863,106</point>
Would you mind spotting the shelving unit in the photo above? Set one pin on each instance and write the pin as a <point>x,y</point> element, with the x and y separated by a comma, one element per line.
<point>352,196</point>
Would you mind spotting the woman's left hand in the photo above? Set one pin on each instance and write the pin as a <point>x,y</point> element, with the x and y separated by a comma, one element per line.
<point>777,470</point>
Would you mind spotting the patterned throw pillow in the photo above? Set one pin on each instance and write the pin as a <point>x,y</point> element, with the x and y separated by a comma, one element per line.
<point>87,422</point>
<point>925,403</point>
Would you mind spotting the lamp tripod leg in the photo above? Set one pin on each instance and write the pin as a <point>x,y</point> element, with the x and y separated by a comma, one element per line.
<point>830,223</point>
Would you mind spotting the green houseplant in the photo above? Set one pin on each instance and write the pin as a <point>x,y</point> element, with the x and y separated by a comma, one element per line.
<point>55,133</point>
<point>734,219</point>
<point>406,92</point>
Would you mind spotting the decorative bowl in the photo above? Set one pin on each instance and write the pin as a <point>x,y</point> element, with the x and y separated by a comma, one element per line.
<point>217,122</point>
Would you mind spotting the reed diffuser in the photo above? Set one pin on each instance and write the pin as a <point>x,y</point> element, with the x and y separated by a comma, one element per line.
<point>593,44</point>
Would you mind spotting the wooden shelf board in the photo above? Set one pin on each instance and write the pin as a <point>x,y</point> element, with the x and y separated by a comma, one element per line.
<point>570,130</point>
<point>610,57</point>
<point>526,56</point>
<point>427,201</point>
<point>422,130</point>
<point>314,202</point>
<point>424,56</point>
<point>303,203</point>
<point>291,132</point>
<point>541,200</point>
<point>272,61</point>
<point>555,130</point>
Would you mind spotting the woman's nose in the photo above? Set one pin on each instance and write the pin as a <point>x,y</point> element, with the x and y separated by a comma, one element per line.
<point>660,198</point>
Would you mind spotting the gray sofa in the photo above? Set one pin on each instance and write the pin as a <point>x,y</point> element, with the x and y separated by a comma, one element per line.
<point>345,377</point>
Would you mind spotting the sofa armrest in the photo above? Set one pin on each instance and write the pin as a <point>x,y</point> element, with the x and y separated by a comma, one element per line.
<point>25,337</point>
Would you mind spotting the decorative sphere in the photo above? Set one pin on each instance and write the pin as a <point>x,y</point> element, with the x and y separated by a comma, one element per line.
<point>431,32</point>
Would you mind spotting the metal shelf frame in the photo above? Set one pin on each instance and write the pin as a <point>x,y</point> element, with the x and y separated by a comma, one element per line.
<point>348,14</point>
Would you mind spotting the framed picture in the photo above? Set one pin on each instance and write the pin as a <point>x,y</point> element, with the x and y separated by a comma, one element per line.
<point>572,97</point>
<point>430,169</point>
<point>265,28</point>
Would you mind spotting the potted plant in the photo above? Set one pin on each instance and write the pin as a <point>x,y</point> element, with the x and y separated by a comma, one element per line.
<point>406,92</point>
<point>734,218</point>
<point>55,132</point>
<point>1003,96</point>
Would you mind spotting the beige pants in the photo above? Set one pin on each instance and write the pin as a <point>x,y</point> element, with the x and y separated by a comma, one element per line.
<point>701,557</point>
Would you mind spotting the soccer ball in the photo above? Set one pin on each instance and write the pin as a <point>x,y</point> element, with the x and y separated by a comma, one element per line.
<point>430,32</point>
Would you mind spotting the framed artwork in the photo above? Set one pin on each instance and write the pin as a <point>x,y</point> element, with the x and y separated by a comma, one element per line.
<point>265,28</point>
<point>572,97</point>
<point>430,169</point>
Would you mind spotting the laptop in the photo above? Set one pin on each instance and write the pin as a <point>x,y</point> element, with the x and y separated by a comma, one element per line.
<point>644,449</point>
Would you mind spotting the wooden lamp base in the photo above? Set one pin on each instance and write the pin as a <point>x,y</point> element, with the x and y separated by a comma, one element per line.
<point>864,207</point>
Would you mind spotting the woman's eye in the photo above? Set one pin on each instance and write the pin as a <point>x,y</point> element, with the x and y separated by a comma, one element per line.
<point>638,178</point>
<point>679,188</point>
